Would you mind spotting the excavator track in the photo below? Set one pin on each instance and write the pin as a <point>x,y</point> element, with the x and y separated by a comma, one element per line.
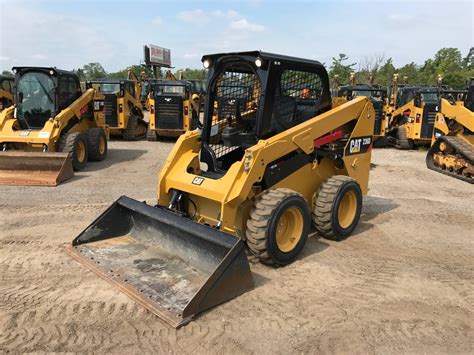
<point>136,129</point>
<point>452,156</point>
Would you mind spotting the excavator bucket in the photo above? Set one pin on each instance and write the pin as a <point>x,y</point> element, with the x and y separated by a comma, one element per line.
<point>174,267</point>
<point>36,169</point>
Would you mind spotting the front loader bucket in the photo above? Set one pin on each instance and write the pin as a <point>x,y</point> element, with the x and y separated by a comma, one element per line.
<point>171,265</point>
<point>29,168</point>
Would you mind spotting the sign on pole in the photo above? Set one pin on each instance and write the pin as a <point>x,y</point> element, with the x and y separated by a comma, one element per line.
<point>157,56</point>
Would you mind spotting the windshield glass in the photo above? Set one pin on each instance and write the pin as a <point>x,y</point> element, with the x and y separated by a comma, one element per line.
<point>368,93</point>
<point>109,87</point>
<point>362,93</point>
<point>429,96</point>
<point>37,104</point>
<point>169,89</point>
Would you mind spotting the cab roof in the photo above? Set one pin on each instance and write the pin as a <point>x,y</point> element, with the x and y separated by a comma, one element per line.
<point>105,81</point>
<point>265,56</point>
<point>44,69</point>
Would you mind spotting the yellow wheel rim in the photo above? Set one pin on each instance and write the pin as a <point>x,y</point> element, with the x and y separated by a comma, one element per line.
<point>81,151</point>
<point>101,145</point>
<point>347,209</point>
<point>289,229</point>
<point>443,147</point>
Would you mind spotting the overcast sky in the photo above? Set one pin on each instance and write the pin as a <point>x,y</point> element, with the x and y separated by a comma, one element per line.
<point>68,34</point>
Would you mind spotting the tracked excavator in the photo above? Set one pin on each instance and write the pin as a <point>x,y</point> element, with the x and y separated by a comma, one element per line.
<point>272,160</point>
<point>51,130</point>
<point>118,102</point>
<point>6,91</point>
<point>452,148</point>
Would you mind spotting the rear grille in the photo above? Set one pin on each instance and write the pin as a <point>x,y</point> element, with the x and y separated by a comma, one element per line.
<point>378,116</point>
<point>428,121</point>
<point>110,109</point>
<point>168,113</point>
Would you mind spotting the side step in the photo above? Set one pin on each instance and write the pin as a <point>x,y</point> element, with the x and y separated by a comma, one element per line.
<point>171,265</point>
<point>34,169</point>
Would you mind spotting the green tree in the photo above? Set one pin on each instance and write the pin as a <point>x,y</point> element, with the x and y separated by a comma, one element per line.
<point>409,74</point>
<point>94,71</point>
<point>447,62</point>
<point>385,74</point>
<point>136,69</point>
<point>192,74</point>
<point>80,73</point>
<point>468,61</point>
<point>340,68</point>
<point>7,73</point>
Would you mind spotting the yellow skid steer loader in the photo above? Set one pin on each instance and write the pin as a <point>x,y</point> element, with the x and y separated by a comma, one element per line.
<point>50,131</point>
<point>273,158</point>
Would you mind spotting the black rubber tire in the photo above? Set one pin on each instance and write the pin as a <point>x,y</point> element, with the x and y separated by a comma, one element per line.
<point>69,143</point>
<point>326,206</point>
<point>403,142</point>
<point>151,135</point>
<point>262,224</point>
<point>94,135</point>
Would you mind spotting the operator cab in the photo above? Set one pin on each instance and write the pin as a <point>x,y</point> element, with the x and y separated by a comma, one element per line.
<point>256,95</point>
<point>6,85</point>
<point>41,93</point>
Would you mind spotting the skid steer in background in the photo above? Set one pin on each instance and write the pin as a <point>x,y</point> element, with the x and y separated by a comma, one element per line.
<point>118,103</point>
<point>378,96</point>
<point>411,122</point>
<point>263,168</point>
<point>452,148</point>
<point>51,129</point>
<point>174,108</point>
<point>6,91</point>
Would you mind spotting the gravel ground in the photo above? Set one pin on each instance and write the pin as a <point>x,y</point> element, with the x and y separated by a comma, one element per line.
<point>402,283</point>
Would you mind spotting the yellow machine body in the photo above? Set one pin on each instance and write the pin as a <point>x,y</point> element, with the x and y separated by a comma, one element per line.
<point>6,92</point>
<point>118,103</point>
<point>272,157</point>
<point>452,144</point>
<point>33,155</point>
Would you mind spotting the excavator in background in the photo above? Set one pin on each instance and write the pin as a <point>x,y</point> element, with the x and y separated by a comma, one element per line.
<point>6,91</point>
<point>273,159</point>
<point>118,103</point>
<point>51,130</point>
<point>378,96</point>
<point>412,120</point>
<point>452,148</point>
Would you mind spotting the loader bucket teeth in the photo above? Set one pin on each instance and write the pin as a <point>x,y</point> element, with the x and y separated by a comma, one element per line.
<point>174,267</point>
<point>35,169</point>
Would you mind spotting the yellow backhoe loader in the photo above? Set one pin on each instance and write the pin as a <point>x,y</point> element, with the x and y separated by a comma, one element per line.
<point>118,103</point>
<point>452,148</point>
<point>6,91</point>
<point>274,159</point>
<point>50,130</point>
